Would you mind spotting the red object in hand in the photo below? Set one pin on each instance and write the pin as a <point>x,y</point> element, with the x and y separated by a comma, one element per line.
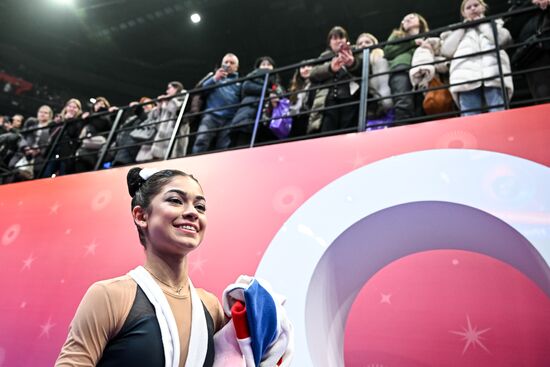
<point>238,313</point>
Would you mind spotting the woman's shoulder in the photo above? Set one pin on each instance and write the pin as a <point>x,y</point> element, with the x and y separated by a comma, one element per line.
<point>117,289</point>
<point>208,298</point>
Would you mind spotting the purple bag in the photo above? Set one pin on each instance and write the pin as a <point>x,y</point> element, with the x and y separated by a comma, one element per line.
<point>381,122</point>
<point>280,123</point>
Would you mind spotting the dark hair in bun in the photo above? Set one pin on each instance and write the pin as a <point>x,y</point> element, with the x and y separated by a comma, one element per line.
<point>143,190</point>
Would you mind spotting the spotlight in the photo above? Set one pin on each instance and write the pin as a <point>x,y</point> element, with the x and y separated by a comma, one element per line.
<point>195,18</point>
<point>65,2</point>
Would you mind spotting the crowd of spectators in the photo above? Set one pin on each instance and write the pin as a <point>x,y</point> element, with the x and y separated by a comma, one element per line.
<point>323,95</point>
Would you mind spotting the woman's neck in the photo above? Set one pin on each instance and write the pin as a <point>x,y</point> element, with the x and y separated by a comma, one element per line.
<point>172,271</point>
<point>413,31</point>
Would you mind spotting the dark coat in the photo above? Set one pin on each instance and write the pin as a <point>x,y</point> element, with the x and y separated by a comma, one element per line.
<point>251,93</point>
<point>528,27</point>
<point>93,126</point>
<point>128,155</point>
<point>68,141</point>
<point>322,74</point>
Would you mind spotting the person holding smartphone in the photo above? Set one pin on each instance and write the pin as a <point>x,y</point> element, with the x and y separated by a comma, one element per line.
<point>220,106</point>
<point>343,66</point>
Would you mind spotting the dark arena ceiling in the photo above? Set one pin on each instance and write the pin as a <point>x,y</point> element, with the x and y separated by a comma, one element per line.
<point>124,49</point>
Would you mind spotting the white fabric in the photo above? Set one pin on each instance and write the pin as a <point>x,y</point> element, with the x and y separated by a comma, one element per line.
<point>248,354</point>
<point>165,318</point>
<point>462,42</point>
<point>198,343</point>
<point>379,85</point>
<point>228,350</point>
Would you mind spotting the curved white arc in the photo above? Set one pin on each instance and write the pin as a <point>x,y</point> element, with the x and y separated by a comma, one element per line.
<point>456,176</point>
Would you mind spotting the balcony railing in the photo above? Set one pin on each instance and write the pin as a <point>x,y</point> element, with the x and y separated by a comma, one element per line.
<point>183,124</point>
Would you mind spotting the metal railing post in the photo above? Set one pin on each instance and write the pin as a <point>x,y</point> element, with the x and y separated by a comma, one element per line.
<point>105,147</point>
<point>259,112</point>
<point>52,149</point>
<point>361,126</point>
<point>176,128</point>
<point>499,61</point>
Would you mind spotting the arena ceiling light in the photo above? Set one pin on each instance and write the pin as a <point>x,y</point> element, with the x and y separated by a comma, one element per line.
<point>195,18</point>
<point>64,2</point>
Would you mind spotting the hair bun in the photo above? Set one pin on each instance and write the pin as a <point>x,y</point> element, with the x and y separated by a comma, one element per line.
<point>134,180</point>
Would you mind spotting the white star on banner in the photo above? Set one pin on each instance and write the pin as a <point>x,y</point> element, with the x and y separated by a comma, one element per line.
<point>68,231</point>
<point>90,249</point>
<point>54,208</point>
<point>472,336</point>
<point>46,328</point>
<point>27,263</point>
<point>197,264</point>
<point>385,298</point>
<point>23,305</point>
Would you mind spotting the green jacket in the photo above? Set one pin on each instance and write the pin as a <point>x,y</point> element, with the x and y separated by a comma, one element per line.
<point>399,53</point>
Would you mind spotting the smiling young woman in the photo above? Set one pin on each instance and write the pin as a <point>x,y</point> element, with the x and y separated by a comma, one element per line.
<point>152,316</point>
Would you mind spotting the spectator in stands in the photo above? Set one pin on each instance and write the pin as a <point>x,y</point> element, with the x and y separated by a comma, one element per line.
<point>225,94</point>
<point>9,146</point>
<point>36,135</point>
<point>167,112</point>
<point>16,122</point>
<point>471,92</point>
<point>530,28</point>
<point>341,68</point>
<point>243,122</point>
<point>137,116</point>
<point>378,85</point>
<point>66,135</point>
<point>196,104</point>
<point>429,69</point>
<point>3,123</point>
<point>301,100</point>
<point>93,135</point>
<point>399,56</point>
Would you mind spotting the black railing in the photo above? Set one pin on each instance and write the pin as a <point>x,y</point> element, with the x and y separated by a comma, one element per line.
<point>103,156</point>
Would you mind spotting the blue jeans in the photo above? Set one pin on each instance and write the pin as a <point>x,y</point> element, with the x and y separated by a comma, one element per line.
<point>205,137</point>
<point>473,100</point>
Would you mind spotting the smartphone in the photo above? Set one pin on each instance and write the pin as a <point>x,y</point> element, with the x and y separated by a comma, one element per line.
<point>345,46</point>
<point>225,67</point>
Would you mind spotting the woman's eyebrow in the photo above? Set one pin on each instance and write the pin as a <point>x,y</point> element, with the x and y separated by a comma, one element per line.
<point>184,194</point>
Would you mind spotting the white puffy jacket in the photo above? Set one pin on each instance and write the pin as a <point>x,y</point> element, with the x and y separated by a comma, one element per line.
<point>379,85</point>
<point>462,42</point>
<point>426,63</point>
